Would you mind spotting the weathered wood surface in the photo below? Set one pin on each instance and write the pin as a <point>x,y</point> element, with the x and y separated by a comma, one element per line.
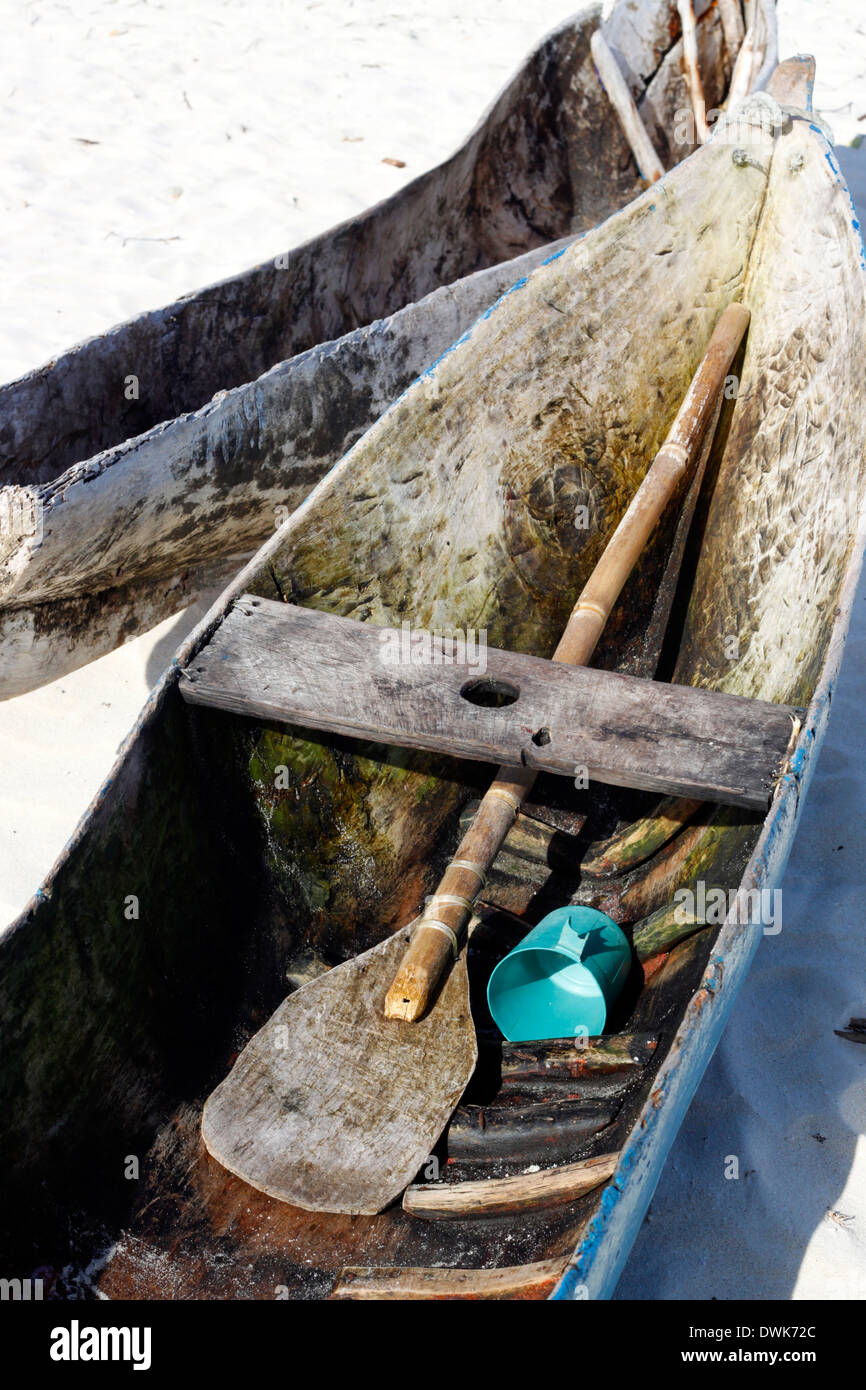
<point>534,1131</point>
<point>662,929</point>
<point>627,114</point>
<point>544,847</point>
<point>789,421</point>
<point>793,82</point>
<point>741,77</point>
<point>550,1092</point>
<point>668,475</point>
<point>535,1281</point>
<point>692,67</point>
<point>140,1021</point>
<point>758,56</point>
<point>443,1201</point>
<point>534,842</point>
<point>567,1060</point>
<point>281,662</point>
<point>548,138</point>
<point>633,844</point>
<point>175,512</point>
<point>332,1107</point>
<point>153,506</point>
<point>732,25</point>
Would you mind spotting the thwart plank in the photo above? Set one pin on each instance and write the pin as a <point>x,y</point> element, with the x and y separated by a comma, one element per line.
<point>280,662</point>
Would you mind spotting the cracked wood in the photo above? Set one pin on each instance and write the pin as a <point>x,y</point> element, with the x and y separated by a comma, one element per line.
<point>280,662</point>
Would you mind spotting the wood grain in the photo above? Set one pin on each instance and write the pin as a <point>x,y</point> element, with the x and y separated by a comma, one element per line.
<point>533,1131</point>
<point>567,1061</point>
<point>281,662</point>
<point>693,73</point>
<point>140,494</point>
<point>633,844</point>
<point>147,1018</point>
<point>332,1107</point>
<point>531,1281</point>
<point>504,1196</point>
<point>616,87</point>
<point>793,82</point>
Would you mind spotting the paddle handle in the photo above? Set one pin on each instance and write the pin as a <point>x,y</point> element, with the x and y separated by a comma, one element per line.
<point>438,936</point>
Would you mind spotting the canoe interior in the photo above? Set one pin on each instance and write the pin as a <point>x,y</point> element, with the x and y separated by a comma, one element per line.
<point>248,850</point>
<point>550,140</point>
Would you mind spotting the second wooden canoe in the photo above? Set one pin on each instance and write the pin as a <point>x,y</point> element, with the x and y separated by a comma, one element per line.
<point>144,504</point>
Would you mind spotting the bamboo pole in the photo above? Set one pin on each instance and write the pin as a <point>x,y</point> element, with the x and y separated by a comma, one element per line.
<point>438,937</point>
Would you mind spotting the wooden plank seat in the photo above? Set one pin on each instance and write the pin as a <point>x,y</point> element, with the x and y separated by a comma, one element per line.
<point>278,661</point>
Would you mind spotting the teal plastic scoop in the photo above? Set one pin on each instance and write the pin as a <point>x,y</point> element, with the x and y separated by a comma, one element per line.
<point>561,980</point>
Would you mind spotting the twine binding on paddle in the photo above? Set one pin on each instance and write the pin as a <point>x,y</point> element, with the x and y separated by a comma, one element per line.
<point>443,927</point>
<point>473,868</point>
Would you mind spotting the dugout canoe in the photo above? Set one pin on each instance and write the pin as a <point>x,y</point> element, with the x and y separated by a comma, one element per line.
<point>225,857</point>
<point>121,503</point>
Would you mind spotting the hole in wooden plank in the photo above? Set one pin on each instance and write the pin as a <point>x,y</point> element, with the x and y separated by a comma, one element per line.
<point>541,738</point>
<point>489,693</point>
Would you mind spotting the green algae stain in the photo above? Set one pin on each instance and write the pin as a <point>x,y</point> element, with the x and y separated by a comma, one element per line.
<point>344,833</point>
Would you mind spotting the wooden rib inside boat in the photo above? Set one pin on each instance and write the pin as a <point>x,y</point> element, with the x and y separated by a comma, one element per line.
<point>227,852</point>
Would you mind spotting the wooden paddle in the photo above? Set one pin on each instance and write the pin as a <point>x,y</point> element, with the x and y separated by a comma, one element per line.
<point>337,1101</point>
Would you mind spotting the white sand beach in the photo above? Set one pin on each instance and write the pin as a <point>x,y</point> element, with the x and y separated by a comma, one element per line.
<point>150,149</point>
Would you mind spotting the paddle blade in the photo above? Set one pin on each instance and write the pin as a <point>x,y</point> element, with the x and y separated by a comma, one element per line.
<point>333,1107</point>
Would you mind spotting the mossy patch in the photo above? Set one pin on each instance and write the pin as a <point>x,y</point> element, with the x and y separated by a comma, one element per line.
<point>345,829</point>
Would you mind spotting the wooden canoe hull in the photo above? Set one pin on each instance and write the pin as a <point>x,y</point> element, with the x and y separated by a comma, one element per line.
<point>221,850</point>
<point>147,504</point>
<point>177,511</point>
